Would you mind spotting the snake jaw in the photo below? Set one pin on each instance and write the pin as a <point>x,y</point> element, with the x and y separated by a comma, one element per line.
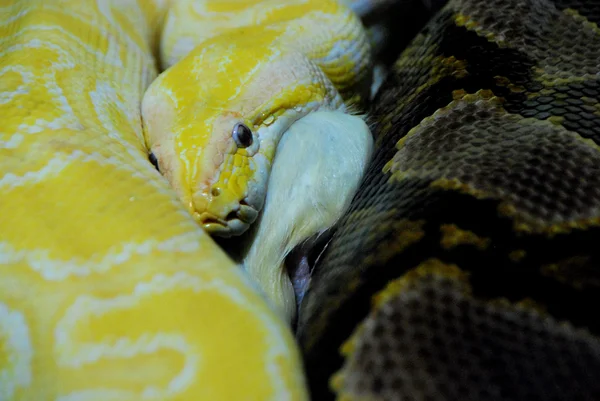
<point>223,228</point>
<point>234,223</point>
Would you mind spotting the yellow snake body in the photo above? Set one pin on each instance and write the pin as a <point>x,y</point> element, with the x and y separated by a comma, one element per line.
<point>109,290</point>
<point>263,64</point>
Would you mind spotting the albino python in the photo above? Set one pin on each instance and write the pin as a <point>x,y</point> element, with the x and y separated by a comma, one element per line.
<point>468,264</point>
<point>109,289</point>
<point>103,270</point>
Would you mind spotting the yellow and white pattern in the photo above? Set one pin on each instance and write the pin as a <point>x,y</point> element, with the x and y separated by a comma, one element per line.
<point>109,290</point>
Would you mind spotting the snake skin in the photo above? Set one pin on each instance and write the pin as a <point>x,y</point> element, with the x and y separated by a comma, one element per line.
<point>109,290</point>
<point>467,267</point>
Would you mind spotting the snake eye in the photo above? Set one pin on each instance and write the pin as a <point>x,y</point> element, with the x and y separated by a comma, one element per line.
<point>242,135</point>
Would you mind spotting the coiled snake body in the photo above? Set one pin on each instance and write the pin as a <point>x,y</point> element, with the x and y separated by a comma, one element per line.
<point>109,289</point>
<point>467,267</point>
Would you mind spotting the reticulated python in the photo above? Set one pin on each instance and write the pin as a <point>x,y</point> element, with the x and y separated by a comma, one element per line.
<point>109,289</point>
<point>467,267</point>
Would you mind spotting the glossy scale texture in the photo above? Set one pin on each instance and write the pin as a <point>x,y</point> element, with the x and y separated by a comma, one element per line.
<point>109,290</point>
<point>467,266</point>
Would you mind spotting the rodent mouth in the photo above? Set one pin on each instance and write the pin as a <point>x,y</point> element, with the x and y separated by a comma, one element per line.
<point>235,223</point>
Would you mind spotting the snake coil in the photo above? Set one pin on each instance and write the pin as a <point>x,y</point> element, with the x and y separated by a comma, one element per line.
<point>468,265</point>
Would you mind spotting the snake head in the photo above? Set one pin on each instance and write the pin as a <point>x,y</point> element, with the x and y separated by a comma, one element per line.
<point>205,138</point>
<point>215,168</point>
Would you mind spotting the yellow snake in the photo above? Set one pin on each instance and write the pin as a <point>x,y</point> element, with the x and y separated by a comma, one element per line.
<point>109,289</point>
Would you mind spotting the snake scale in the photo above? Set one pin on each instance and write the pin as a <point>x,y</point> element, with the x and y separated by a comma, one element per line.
<point>467,267</point>
<point>105,268</point>
<point>109,289</point>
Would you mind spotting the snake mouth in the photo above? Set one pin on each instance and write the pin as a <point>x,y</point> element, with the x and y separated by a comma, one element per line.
<point>235,223</point>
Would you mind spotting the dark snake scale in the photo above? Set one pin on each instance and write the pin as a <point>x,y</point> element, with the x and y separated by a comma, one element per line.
<point>468,265</point>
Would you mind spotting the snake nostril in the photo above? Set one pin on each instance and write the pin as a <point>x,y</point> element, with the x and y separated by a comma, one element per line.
<point>215,191</point>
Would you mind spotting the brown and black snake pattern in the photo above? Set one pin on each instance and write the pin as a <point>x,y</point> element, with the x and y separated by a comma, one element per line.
<point>468,266</point>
